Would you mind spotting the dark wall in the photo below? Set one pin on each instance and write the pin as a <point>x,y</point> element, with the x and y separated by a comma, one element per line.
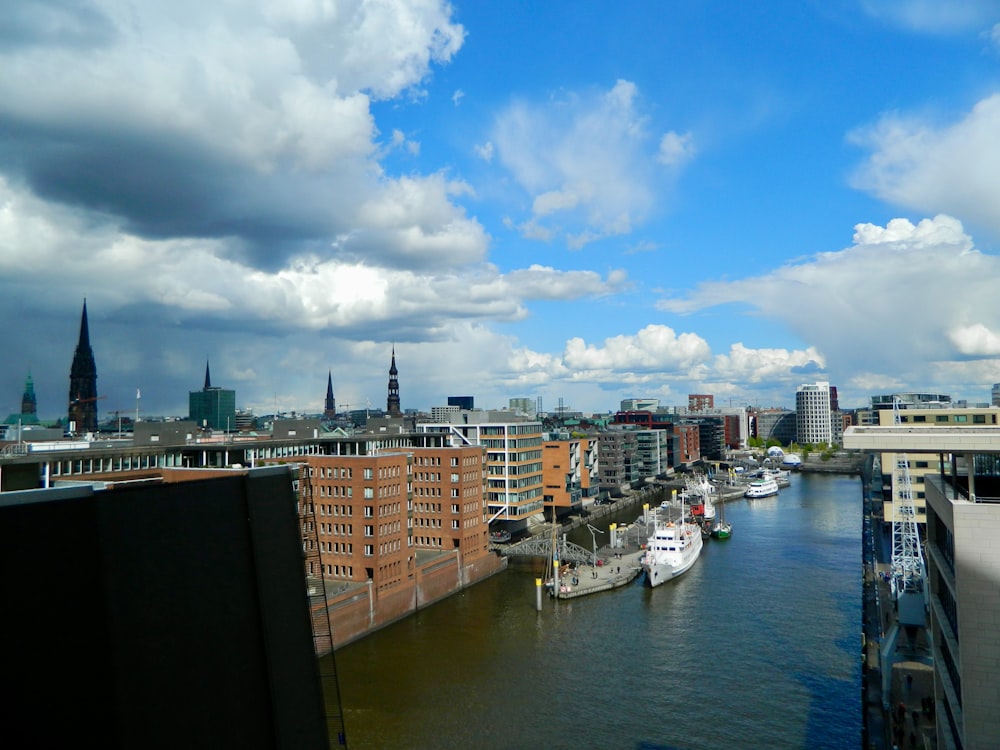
<point>157,616</point>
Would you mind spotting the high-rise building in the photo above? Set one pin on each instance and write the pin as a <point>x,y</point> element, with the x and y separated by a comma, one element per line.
<point>392,402</point>
<point>814,414</point>
<point>211,407</point>
<point>83,382</point>
<point>995,394</point>
<point>462,402</point>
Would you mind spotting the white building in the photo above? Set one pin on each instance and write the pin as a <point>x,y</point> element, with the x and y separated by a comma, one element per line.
<point>814,414</point>
<point>640,404</point>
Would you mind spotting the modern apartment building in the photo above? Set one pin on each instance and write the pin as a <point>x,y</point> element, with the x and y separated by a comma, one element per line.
<point>962,556</point>
<point>925,464</point>
<point>514,481</point>
<point>814,414</point>
<point>701,402</point>
<point>619,466</point>
<point>570,469</point>
<point>652,451</point>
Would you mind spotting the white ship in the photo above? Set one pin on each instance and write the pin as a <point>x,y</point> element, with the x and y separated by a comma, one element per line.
<point>762,488</point>
<point>671,550</point>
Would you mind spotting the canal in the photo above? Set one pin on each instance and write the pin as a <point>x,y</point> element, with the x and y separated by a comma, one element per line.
<point>757,646</point>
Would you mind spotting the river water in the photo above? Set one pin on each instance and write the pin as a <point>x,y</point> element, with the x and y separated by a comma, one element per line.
<point>757,646</point>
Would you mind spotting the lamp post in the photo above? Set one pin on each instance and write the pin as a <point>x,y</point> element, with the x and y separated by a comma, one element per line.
<point>593,537</point>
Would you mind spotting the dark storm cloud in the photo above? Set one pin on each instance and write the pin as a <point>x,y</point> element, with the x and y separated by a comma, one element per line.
<point>63,23</point>
<point>159,188</point>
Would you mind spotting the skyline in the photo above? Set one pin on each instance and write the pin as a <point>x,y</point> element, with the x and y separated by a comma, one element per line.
<point>523,201</point>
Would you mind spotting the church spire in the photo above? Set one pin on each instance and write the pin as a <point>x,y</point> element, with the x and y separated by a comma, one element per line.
<point>208,377</point>
<point>330,406</point>
<point>392,405</point>
<point>83,381</point>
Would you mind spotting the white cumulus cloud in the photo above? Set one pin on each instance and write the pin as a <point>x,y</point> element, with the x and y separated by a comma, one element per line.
<point>948,168</point>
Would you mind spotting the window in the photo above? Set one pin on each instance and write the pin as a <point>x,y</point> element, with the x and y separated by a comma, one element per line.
<point>979,419</point>
<point>961,418</point>
<point>369,530</point>
<point>454,524</point>
<point>369,493</point>
<point>940,417</point>
<point>454,508</point>
<point>368,473</point>
<point>369,550</point>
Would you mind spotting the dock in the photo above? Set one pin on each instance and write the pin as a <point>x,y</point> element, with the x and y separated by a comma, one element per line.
<point>614,571</point>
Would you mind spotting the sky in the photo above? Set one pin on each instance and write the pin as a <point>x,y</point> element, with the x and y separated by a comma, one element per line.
<point>580,202</point>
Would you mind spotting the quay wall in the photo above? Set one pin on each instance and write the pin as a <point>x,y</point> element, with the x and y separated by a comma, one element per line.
<point>839,463</point>
<point>361,610</point>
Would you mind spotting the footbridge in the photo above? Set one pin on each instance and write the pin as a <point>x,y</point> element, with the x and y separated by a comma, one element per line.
<point>541,546</point>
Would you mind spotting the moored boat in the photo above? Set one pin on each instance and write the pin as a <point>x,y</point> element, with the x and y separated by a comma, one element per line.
<point>500,537</point>
<point>761,488</point>
<point>670,551</point>
<point>722,529</point>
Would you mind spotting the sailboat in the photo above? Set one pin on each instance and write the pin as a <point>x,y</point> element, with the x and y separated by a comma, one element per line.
<point>722,529</point>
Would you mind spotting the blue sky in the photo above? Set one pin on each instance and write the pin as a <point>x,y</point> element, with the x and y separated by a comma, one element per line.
<point>576,201</point>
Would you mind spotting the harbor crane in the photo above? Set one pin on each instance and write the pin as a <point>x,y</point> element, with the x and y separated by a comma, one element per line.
<point>907,565</point>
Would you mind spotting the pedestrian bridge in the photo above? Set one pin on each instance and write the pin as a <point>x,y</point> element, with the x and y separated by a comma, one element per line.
<point>539,546</point>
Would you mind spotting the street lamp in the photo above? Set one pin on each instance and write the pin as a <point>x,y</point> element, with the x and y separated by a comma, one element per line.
<point>593,537</point>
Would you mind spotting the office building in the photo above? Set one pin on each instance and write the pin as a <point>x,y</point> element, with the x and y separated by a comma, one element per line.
<point>212,408</point>
<point>962,556</point>
<point>639,404</point>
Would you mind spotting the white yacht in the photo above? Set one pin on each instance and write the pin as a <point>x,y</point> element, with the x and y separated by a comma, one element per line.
<point>762,488</point>
<point>671,550</point>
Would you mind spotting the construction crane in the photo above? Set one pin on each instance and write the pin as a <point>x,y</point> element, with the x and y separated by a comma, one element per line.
<point>908,572</point>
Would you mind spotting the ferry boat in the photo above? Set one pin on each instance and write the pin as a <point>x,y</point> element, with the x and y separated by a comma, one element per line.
<point>762,488</point>
<point>671,550</point>
<point>500,537</point>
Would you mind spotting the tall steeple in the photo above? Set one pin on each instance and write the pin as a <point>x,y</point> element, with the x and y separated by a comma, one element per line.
<point>392,405</point>
<point>208,377</point>
<point>83,381</point>
<point>330,406</point>
<point>29,404</point>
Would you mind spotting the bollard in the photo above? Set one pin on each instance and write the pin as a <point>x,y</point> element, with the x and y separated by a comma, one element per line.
<point>538,594</point>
